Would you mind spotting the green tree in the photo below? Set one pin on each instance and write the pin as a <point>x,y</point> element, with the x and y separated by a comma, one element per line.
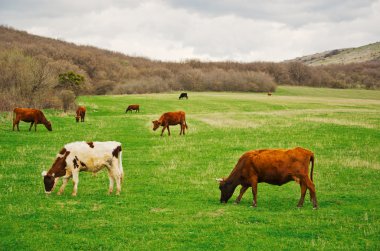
<point>71,81</point>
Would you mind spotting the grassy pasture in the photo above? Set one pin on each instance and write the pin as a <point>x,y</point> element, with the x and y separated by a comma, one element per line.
<point>170,199</point>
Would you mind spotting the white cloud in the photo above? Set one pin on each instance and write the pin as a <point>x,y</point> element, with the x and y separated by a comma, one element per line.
<point>177,30</point>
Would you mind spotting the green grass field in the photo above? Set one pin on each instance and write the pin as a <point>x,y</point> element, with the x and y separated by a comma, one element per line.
<point>170,199</point>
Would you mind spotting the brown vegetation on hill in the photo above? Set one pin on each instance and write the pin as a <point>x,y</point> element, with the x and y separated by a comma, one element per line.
<point>31,66</point>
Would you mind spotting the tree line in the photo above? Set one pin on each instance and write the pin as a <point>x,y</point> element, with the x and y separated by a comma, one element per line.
<point>49,73</point>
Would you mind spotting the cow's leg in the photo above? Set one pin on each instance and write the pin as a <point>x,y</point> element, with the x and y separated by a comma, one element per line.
<point>168,129</point>
<point>311,187</point>
<point>75,182</point>
<point>303,192</point>
<point>254,191</point>
<point>18,128</point>
<point>242,191</point>
<point>181,127</point>
<point>64,183</point>
<point>115,174</point>
<point>31,125</point>
<point>163,129</point>
<point>110,177</point>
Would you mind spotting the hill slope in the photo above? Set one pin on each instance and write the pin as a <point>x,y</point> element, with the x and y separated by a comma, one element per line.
<point>342,56</point>
<point>30,66</point>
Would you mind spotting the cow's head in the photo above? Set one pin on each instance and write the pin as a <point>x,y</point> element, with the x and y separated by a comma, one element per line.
<point>49,181</point>
<point>77,118</point>
<point>156,124</point>
<point>226,188</point>
<point>48,125</point>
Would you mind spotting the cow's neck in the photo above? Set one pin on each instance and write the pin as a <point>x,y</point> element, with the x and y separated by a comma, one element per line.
<point>234,179</point>
<point>58,167</point>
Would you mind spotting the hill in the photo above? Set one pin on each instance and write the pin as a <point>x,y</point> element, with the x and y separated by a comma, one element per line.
<point>34,72</point>
<point>342,56</point>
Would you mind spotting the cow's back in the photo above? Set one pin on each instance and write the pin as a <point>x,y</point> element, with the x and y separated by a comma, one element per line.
<point>275,165</point>
<point>28,114</point>
<point>92,154</point>
<point>173,118</point>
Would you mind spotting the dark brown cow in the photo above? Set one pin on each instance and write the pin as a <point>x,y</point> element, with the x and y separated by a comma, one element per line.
<point>273,166</point>
<point>132,108</point>
<point>183,95</point>
<point>171,118</point>
<point>269,94</point>
<point>81,113</point>
<point>33,116</point>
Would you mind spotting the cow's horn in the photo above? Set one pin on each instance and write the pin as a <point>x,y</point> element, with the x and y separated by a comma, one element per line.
<point>219,179</point>
<point>53,175</point>
<point>43,173</point>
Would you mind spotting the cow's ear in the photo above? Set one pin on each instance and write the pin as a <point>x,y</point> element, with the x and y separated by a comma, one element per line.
<point>43,174</point>
<point>220,180</point>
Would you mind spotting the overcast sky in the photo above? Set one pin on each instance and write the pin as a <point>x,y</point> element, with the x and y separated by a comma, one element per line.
<point>175,30</point>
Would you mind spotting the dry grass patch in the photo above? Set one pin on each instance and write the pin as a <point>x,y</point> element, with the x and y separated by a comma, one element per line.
<point>225,120</point>
<point>341,122</point>
<point>359,163</point>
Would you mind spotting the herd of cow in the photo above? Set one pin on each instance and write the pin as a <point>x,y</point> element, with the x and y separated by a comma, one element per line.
<point>273,166</point>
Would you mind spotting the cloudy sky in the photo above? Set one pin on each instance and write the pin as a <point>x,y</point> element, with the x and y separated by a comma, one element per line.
<point>175,30</point>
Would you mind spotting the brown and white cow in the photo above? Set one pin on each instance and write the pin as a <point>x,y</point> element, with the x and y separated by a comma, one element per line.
<point>80,113</point>
<point>133,108</point>
<point>273,166</point>
<point>85,156</point>
<point>33,116</point>
<point>171,118</point>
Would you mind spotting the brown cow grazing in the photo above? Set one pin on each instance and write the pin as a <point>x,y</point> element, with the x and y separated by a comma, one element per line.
<point>171,118</point>
<point>81,112</point>
<point>273,166</point>
<point>132,108</point>
<point>269,94</point>
<point>33,116</point>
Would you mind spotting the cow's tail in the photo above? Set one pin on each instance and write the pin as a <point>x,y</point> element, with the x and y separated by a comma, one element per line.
<point>14,114</point>
<point>312,166</point>
<point>121,165</point>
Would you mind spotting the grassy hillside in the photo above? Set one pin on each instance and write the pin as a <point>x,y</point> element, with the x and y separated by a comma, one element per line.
<point>343,56</point>
<point>170,199</point>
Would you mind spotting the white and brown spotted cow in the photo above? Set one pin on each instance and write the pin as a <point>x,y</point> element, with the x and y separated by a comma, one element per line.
<point>85,156</point>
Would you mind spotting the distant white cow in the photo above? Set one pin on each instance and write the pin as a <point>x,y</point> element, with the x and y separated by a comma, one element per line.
<point>85,156</point>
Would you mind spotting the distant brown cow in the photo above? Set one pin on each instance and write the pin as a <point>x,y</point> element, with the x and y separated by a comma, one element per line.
<point>81,113</point>
<point>273,166</point>
<point>171,118</point>
<point>33,116</point>
<point>269,94</point>
<point>132,108</point>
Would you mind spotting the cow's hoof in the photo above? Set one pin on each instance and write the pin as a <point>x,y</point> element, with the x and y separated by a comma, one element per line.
<point>73,194</point>
<point>315,208</point>
<point>236,202</point>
